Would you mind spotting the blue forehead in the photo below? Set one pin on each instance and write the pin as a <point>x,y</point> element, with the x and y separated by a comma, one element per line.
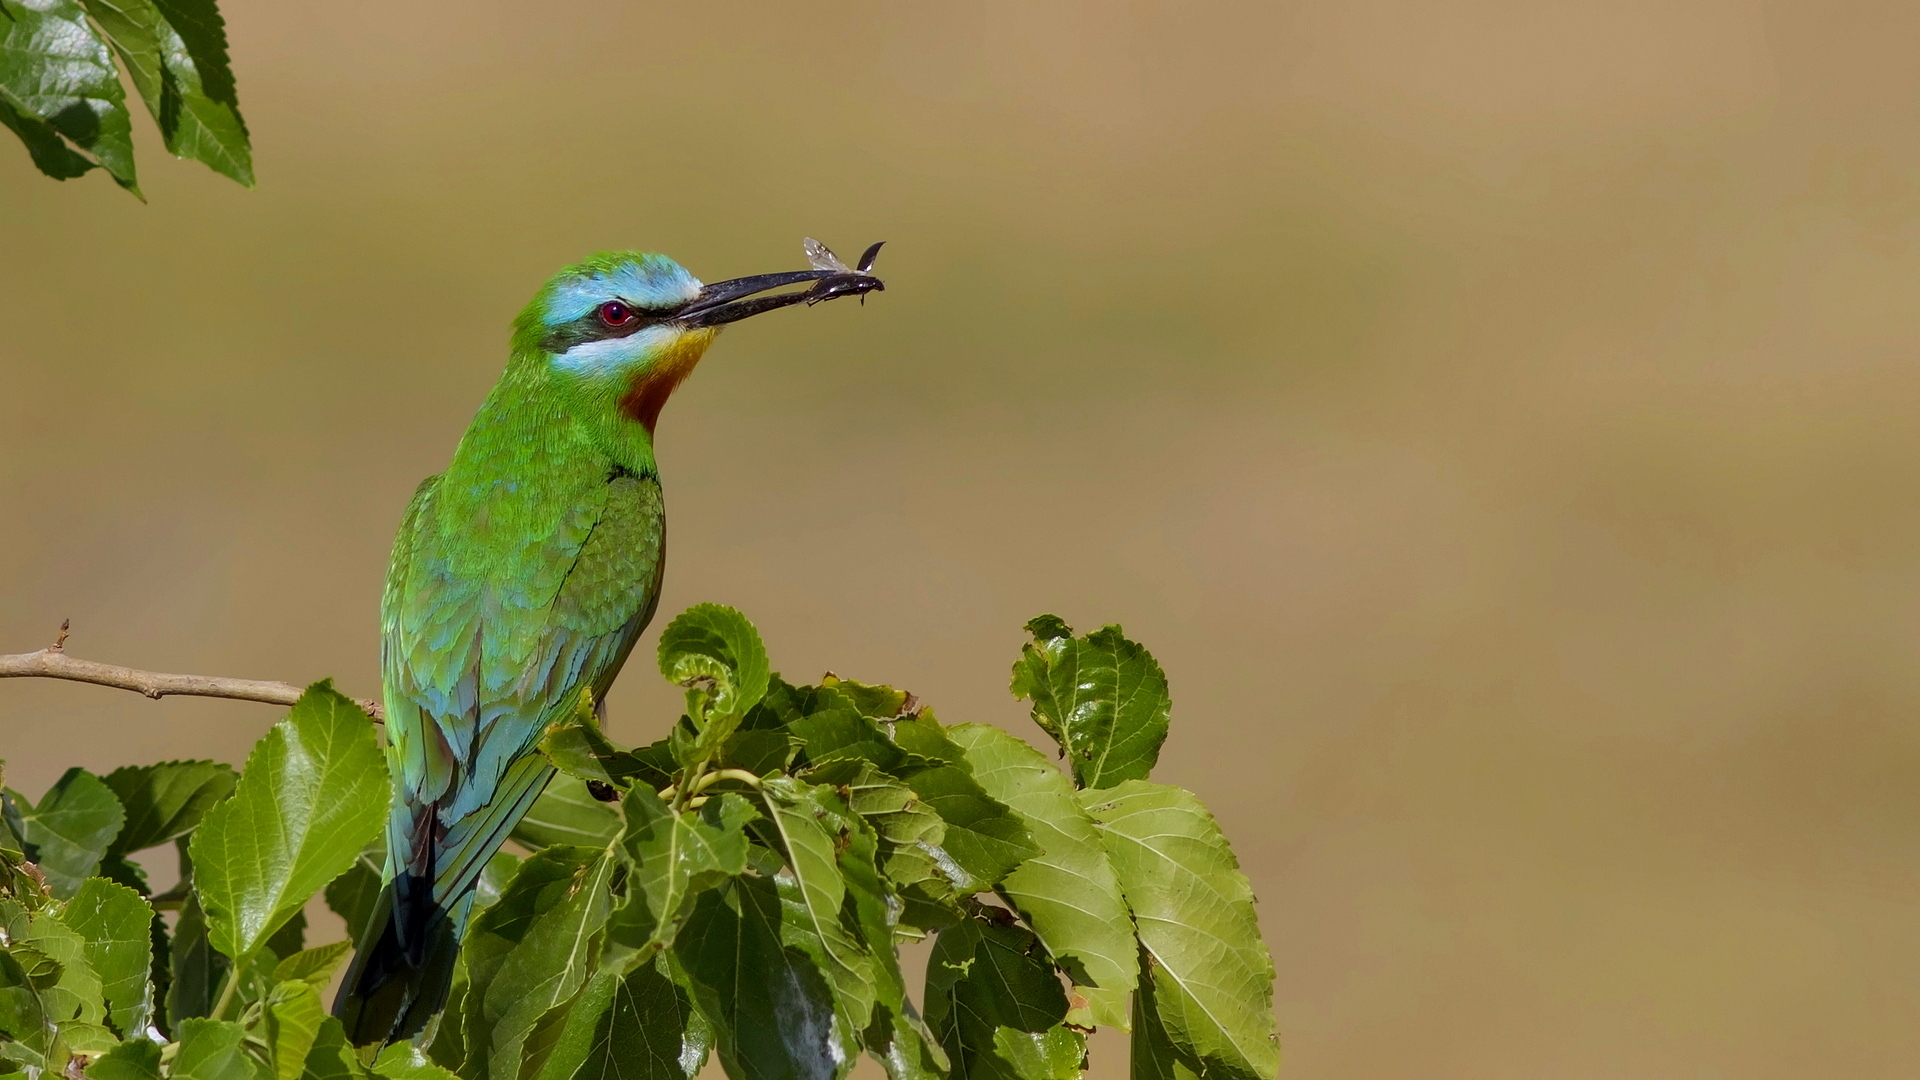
<point>643,280</point>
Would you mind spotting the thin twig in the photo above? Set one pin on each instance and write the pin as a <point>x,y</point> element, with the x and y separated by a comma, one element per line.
<point>53,662</point>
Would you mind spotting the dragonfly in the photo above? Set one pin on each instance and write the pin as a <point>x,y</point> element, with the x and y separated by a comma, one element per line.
<point>856,280</point>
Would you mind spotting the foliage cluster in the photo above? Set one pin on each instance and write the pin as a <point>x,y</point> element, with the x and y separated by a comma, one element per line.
<point>60,92</point>
<point>740,887</point>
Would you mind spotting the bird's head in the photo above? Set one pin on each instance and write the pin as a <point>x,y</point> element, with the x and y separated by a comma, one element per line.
<point>621,330</point>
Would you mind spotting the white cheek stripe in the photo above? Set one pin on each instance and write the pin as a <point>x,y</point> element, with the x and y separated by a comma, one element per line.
<point>612,355</point>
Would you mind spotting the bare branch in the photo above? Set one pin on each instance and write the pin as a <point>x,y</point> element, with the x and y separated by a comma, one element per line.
<point>53,662</point>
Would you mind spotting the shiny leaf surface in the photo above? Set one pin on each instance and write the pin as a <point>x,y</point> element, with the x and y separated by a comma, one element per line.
<point>313,791</point>
<point>1102,698</point>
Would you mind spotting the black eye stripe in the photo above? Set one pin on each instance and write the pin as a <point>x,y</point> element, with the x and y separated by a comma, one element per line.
<point>588,327</point>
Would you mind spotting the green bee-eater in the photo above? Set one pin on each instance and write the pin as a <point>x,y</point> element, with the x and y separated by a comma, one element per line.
<point>521,576</point>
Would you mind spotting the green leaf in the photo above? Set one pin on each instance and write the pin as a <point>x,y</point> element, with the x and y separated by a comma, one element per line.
<point>1067,893</point>
<point>314,966</point>
<point>996,1005</point>
<point>566,813</point>
<point>1056,1054</point>
<point>190,96</point>
<point>894,1036</point>
<point>811,822</point>
<point>134,1059</point>
<point>832,728</point>
<point>716,653</point>
<point>197,968</point>
<point>55,70</point>
<point>214,1050</point>
<point>167,800</point>
<point>51,999</point>
<point>530,951</point>
<point>293,1014</point>
<point>1212,980</point>
<point>623,1028</point>
<point>117,925</point>
<point>404,1061</point>
<point>909,834</point>
<point>669,859</point>
<point>871,700</point>
<point>332,1056</point>
<point>578,747</point>
<point>288,940</point>
<point>771,1009</point>
<point>71,830</point>
<point>314,789</point>
<point>984,838</point>
<point>1101,697</point>
<point>50,153</point>
<point>352,895</point>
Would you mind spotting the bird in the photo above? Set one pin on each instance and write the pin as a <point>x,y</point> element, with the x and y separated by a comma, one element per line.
<point>519,580</point>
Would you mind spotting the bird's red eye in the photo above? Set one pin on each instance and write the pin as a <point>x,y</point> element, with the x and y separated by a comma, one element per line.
<point>615,313</point>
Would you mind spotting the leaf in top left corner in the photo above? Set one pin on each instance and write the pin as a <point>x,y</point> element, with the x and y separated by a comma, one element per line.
<point>59,91</point>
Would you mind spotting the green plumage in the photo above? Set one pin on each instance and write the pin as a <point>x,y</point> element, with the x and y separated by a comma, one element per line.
<point>521,576</point>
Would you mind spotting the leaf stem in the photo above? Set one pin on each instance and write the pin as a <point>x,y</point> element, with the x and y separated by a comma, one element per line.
<point>227,991</point>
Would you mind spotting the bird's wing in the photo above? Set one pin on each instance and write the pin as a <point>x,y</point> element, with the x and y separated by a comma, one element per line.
<point>485,660</point>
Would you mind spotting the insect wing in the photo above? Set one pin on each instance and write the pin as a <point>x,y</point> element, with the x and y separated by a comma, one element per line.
<point>872,253</point>
<point>821,257</point>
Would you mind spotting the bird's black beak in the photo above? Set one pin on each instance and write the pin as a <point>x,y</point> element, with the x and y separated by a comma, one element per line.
<point>730,301</point>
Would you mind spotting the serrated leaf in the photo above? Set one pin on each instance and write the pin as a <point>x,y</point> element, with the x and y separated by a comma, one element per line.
<point>117,925</point>
<point>831,727</point>
<point>995,1004</point>
<point>1055,1054</point>
<point>167,800</point>
<point>1102,698</point>
<point>530,952</point>
<point>984,839</point>
<point>566,813</point>
<point>70,989</point>
<point>293,1014</point>
<point>404,1061</point>
<point>771,1009</point>
<point>214,1050</point>
<point>894,1036</point>
<point>811,822</point>
<point>314,790</point>
<point>712,643</point>
<point>623,1029</point>
<point>69,832</point>
<point>189,95</point>
<point>909,833</point>
<point>332,1056</point>
<point>669,859</point>
<point>313,966</point>
<point>134,1059</point>
<point>51,1000</point>
<point>56,71</point>
<point>1068,893</point>
<point>871,699</point>
<point>1212,980</point>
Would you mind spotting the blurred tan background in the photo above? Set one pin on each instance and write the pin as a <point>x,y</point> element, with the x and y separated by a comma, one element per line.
<point>1498,418</point>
